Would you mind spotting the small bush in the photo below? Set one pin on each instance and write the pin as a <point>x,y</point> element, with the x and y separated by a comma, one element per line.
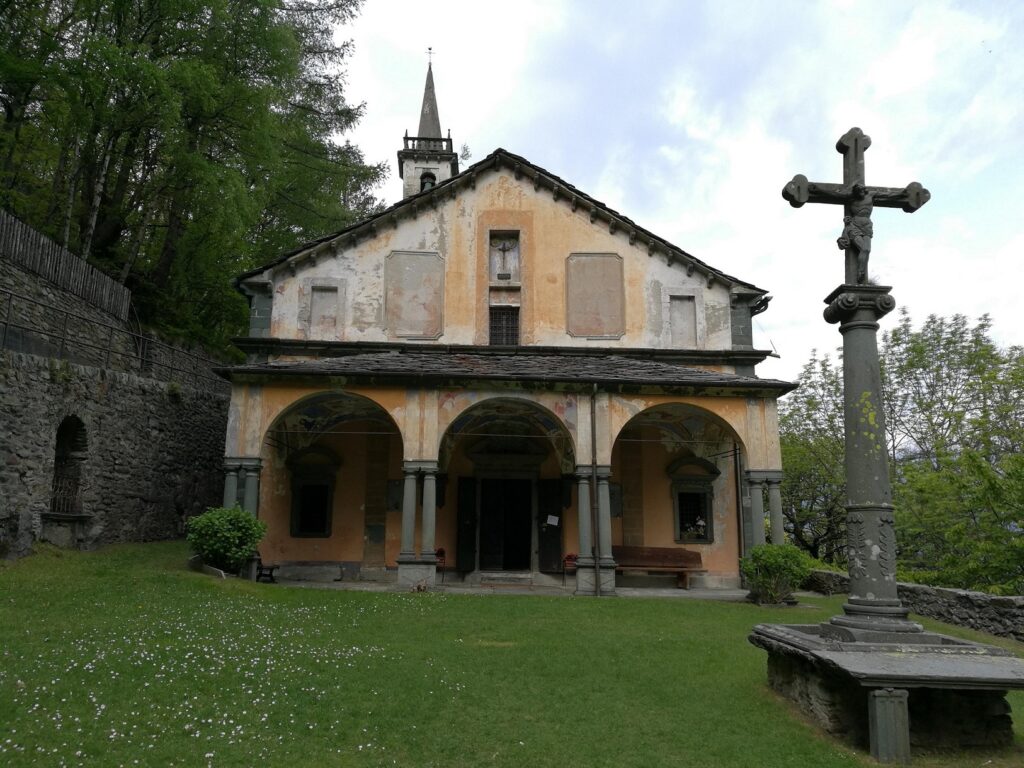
<point>773,571</point>
<point>225,538</point>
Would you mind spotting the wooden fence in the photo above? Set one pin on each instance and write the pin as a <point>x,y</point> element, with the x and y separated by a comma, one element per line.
<point>39,254</point>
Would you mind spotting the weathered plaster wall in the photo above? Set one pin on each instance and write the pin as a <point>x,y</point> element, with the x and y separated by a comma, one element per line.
<point>154,451</point>
<point>995,614</point>
<point>721,557</point>
<point>456,233</point>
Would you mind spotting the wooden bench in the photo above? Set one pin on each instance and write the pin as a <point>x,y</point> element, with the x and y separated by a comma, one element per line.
<point>682,562</point>
<point>265,572</point>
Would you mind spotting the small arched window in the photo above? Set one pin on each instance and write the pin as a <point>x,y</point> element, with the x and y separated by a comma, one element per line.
<point>71,449</point>
<point>427,181</point>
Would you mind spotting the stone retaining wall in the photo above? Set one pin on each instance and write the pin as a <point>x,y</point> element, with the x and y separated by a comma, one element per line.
<point>997,615</point>
<point>152,458</point>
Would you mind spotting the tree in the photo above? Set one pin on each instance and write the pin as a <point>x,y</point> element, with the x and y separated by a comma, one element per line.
<point>814,484</point>
<point>175,143</point>
<point>955,416</point>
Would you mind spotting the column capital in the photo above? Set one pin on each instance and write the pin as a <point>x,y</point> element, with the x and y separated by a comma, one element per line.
<point>846,300</point>
<point>586,470</point>
<point>248,463</point>
<point>760,476</point>
<point>416,466</point>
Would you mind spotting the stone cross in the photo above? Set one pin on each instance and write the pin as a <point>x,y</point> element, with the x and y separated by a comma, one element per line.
<point>858,200</point>
<point>857,306</point>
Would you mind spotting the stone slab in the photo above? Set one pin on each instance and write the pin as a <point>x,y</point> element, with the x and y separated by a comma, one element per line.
<point>908,662</point>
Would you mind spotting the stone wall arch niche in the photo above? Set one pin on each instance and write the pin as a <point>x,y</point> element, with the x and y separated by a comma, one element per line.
<point>64,523</point>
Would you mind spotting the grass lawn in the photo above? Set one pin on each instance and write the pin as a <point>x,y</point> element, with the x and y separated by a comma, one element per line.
<point>123,657</point>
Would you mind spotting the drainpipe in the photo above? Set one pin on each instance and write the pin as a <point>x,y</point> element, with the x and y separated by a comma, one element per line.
<point>595,537</point>
<point>739,502</point>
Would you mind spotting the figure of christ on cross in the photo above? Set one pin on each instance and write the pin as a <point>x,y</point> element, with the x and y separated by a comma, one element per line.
<point>858,200</point>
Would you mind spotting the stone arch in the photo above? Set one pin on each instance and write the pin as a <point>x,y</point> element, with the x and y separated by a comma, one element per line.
<point>526,418</point>
<point>314,405</point>
<point>677,466</point>
<point>71,449</point>
<point>508,464</point>
<point>328,462</point>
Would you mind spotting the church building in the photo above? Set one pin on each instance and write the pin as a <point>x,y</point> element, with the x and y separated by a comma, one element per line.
<point>499,379</point>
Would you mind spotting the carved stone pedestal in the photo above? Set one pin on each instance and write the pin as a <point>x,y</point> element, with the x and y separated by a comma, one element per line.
<point>586,578</point>
<point>414,574</point>
<point>894,690</point>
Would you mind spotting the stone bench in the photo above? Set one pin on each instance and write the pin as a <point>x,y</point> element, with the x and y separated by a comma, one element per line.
<point>682,562</point>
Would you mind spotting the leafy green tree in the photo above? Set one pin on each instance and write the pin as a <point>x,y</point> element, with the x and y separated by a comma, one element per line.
<point>814,484</point>
<point>175,143</point>
<point>955,416</point>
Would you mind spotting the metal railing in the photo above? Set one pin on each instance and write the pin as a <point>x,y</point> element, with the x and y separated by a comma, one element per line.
<point>46,330</point>
<point>430,144</point>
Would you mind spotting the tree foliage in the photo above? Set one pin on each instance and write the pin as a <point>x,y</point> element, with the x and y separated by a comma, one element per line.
<point>175,143</point>
<point>955,416</point>
<point>814,486</point>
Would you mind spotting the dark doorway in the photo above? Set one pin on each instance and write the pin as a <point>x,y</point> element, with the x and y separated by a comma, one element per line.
<point>506,522</point>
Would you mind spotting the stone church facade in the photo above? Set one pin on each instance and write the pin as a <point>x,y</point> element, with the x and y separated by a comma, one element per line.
<point>501,372</point>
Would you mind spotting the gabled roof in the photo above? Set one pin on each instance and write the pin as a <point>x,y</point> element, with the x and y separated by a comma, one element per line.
<point>333,244</point>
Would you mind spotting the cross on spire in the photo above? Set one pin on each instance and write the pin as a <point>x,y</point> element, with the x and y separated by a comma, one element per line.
<point>858,200</point>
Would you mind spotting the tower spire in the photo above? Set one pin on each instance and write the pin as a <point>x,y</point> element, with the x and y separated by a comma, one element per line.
<point>430,121</point>
<point>427,159</point>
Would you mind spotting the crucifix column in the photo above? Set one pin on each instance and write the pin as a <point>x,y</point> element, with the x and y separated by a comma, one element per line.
<point>856,306</point>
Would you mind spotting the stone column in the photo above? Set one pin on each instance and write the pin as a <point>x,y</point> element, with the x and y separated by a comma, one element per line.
<point>756,485</point>
<point>583,510</point>
<point>418,569</point>
<point>604,518</point>
<point>427,549</point>
<point>408,550</point>
<point>871,539</point>
<point>230,483</point>
<point>251,491</point>
<point>604,532</point>
<point>775,509</point>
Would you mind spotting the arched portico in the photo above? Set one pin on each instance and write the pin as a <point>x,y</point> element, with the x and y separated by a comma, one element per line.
<point>675,468</point>
<point>325,467</point>
<point>507,463</point>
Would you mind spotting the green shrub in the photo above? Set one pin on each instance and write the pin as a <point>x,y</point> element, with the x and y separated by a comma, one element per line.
<point>225,538</point>
<point>773,571</point>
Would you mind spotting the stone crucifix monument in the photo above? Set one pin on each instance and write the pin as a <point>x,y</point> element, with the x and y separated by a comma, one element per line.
<point>871,674</point>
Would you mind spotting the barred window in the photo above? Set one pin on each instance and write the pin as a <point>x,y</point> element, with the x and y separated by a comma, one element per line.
<point>505,326</point>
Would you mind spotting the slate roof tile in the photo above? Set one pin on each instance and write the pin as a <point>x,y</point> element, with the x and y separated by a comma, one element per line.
<point>510,366</point>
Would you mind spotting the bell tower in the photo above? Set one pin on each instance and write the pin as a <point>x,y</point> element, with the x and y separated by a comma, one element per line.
<point>426,159</point>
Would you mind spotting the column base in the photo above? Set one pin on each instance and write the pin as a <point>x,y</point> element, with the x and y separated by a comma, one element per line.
<point>417,574</point>
<point>586,580</point>
<point>875,616</point>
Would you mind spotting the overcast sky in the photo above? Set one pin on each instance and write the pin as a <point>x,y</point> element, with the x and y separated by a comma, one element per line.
<point>689,117</point>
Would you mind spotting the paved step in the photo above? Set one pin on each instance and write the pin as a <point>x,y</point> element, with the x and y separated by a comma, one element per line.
<point>505,578</point>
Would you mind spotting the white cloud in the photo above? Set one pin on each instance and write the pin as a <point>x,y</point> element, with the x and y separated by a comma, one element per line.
<point>689,118</point>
